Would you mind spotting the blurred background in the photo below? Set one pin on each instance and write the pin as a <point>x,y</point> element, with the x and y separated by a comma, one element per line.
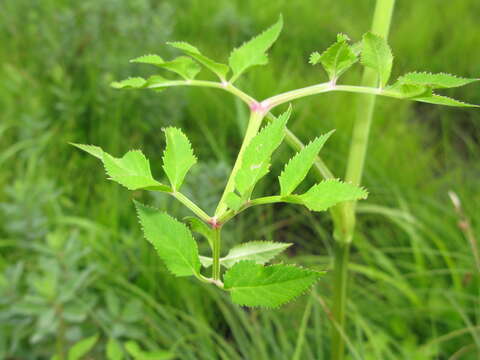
<point>73,262</point>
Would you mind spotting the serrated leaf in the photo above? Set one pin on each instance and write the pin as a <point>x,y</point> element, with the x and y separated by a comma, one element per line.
<point>337,59</point>
<point>114,351</point>
<point>251,284</point>
<point>253,52</point>
<point>260,252</point>
<point>132,171</point>
<point>130,83</point>
<point>82,347</point>
<point>443,100</point>
<point>198,226</point>
<point>184,66</point>
<point>297,168</point>
<point>219,69</point>
<point>376,54</point>
<point>328,193</point>
<point>178,156</point>
<point>137,353</point>
<point>234,201</point>
<point>171,239</point>
<point>405,91</point>
<point>156,81</point>
<point>256,158</point>
<point>434,81</point>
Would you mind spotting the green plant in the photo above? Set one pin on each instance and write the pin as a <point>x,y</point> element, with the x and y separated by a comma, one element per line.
<point>249,282</point>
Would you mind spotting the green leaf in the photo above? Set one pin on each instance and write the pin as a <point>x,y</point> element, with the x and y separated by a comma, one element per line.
<point>328,193</point>
<point>443,100</point>
<point>251,284</point>
<point>405,91</point>
<point>256,158</point>
<point>82,347</point>
<point>297,168</point>
<point>337,59</point>
<point>434,81</point>
<point>184,66</point>
<point>219,69</point>
<point>254,51</point>
<point>172,240</point>
<point>114,351</point>
<point>198,226</point>
<point>234,201</point>
<point>132,170</point>
<point>376,54</point>
<point>178,157</point>
<point>130,83</point>
<point>138,354</point>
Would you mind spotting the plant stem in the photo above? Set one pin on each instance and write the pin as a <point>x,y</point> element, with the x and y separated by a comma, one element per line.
<point>216,254</point>
<point>192,206</point>
<point>254,123</point>
<point>356,160</point>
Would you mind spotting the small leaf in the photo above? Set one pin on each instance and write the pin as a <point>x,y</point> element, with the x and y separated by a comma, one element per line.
<point>171,239</point>
<point>256,159</point>
<point>254,51</point>
<point>114,351</point>
<point>376,54</point>
<point>132,171</point>
<point>206,261</point>
<point>443,100</point>
<point>328,193</point>
<point>234,201</point>
<point>259,251</point>
<point>219,69</point>
<point>138,354</point>
<point>198,226</point>
<point>178,157</point>
<point>337,59</point>
<point>184,66</point>
<point>297,168</point>
<point>434,81</point>
<point>251,284</point>
<point>130,83</point>
<point>405,91</point>
<point>156,81</point>
<point>82,347</point>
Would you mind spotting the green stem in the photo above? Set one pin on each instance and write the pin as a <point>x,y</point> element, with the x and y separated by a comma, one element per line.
<point>356,160</point>
<point>192,206</point>
<point>254,123</point>
<point>216,254</point>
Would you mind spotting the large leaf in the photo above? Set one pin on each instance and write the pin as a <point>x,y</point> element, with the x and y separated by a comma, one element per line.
<point>259,251</point>
<point>178,157</point>
<point>219,69</point>
<point>256,158</point>
<point>132,170</point>
<point>376,54</point>
<point>251,284</point>
<point>434,81</point>
<point>171,239</point>
<point>82,347</point>
<point>297,168</point>
<point>253,52</point>
<point>184,66</point>
<point>328,193</point>
<point>337,59</point>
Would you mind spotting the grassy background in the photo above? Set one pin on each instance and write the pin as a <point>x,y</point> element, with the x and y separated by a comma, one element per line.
<point>72,259</point>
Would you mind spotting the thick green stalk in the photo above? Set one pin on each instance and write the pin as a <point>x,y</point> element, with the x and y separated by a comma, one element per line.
<point>256,117</point>
<point>358,149</point>
<point>216,254</point>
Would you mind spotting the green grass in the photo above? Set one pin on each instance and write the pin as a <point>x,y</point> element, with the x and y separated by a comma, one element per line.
<point>414,291</point>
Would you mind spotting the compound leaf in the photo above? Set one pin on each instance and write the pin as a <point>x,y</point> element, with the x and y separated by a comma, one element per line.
<point>251,284</point>
<point>297,168</point>
<point>328,193</point>
<point>253,52</point>
<point>337,59</point>
<point>172,240</point>
<point>256,159</point>
<point>219,69</point>
<point>434,81</point>
<point>130,83</point>
<point>376,54</point>
<point>82,347</point>
<point>178,156</point>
